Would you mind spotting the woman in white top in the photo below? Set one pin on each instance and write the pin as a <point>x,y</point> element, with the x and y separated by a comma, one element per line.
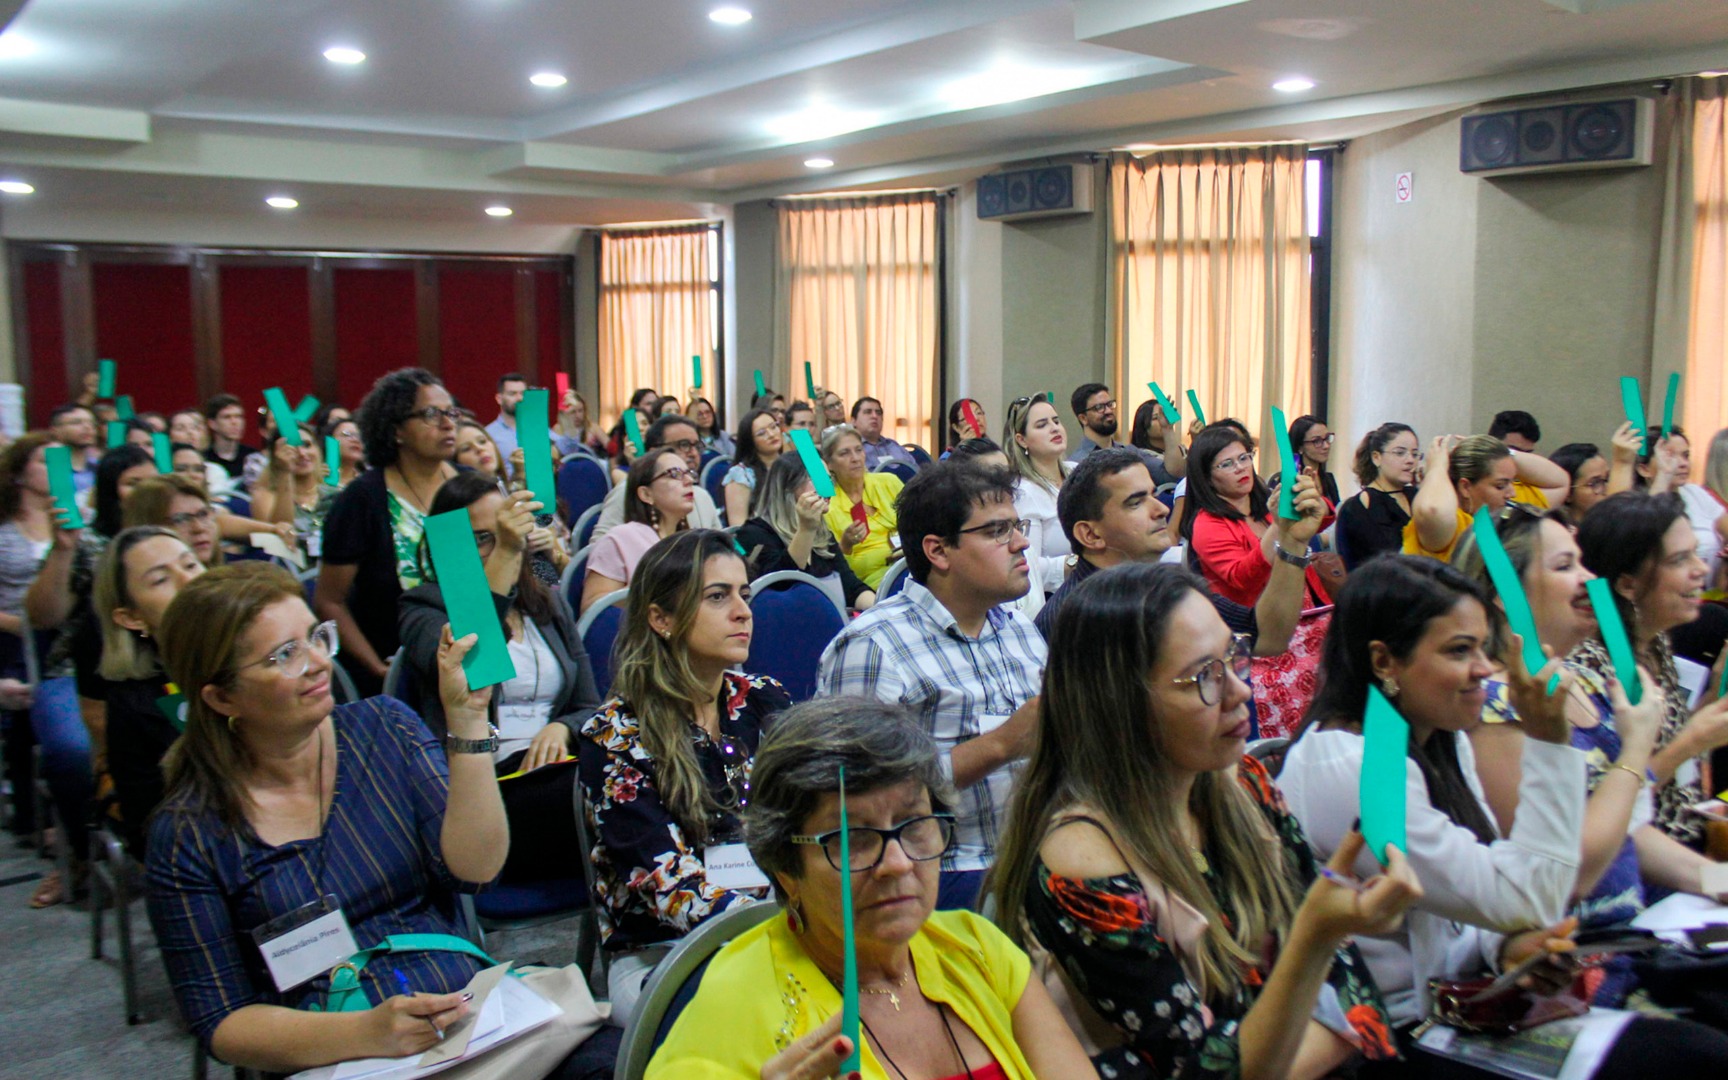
<point>1035,442</point>
<point>1422,633</point>
<point>1668,467</point>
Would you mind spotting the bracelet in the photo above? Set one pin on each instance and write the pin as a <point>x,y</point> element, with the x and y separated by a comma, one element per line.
<point>455,744</point>
<point>1642,779</point>
<point>1300,561</point>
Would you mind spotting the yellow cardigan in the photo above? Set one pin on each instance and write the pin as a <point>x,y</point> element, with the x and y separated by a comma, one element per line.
<point>763,991</point>
<point>871,557</point>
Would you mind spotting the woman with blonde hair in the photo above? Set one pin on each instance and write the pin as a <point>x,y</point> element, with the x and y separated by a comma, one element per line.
<point>1036,444</point>
<point>666,762</point>
<point>861,514</point>
<point>1465,473</point>
<point>790,532</point>
<point>293,488</point>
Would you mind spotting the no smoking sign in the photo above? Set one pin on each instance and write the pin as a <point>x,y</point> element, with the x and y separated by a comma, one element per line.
<point>1402,192</point>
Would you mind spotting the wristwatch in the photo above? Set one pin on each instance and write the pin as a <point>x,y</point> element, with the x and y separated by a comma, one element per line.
<point>455,744</point>
<point>1301,562</point>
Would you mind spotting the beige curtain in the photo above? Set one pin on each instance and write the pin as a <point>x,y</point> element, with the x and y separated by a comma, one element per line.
<point>1706,387</point>
<point>1209,280</point>
<point>855,296</point>
<point>657,310</point>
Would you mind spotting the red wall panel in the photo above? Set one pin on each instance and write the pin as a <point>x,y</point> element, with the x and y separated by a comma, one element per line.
<point>477,331</point>
<point>266,335</point>
<point>47,341</point>
<point>144,324</point>
<point>548,360</point>
<point>376,328</point>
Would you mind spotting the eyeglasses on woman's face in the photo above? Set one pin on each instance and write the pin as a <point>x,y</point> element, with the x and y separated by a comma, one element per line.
<point>1208,682</point>
<point>203,517</point>
<point>921,838</point>
<point>435,416</point>
<point>675,474</point>
<point>1320,442</point>
<point>292,658</point>
<point>1234,465</point>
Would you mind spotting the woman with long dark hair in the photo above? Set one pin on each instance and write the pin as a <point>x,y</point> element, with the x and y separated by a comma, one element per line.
<point>759,442</point>
<point>1227,522</point>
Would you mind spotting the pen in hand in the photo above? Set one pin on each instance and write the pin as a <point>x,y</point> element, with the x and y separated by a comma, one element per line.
<point>402,983</point>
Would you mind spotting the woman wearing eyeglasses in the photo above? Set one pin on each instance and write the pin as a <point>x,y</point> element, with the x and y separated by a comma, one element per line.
<point>942,993</point>
<point>283,808</point>
<point>1372,522</point>
<point>1588,471</point>
<point>658,498</point>
<point>861,515</point>
<point>665,764</point>
<point>1311,442</point>
<point>1154,871</point>
<point>1228,521</point>
<point>372,534</point>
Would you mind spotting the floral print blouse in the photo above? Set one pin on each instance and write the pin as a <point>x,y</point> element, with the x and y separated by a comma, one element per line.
<point>649,880</point>
<point>1103,934</point>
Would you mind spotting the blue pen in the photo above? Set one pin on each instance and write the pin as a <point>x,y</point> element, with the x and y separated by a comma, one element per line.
<point>402,983</point>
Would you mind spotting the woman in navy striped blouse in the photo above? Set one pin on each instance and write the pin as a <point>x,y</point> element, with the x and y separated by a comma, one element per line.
<point>276,798</point>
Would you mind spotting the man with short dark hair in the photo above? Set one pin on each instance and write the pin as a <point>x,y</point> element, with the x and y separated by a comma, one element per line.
<point>952,646</point>
<point>678,432</point>
<point>511,387</point>
<point>1111,516</point>
<point>226,418</point>
<point>1517,429</point>
<point>75,426</point>
<point>867,419</point>
<point>1098,415</point>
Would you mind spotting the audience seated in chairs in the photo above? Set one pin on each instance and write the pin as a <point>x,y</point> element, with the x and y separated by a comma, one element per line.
<point>276,799</point>
<point>540,709</point>
<point>790,532</point>
<point>293,489</point>
<point>1154,870</point>
<point>862,514</point>
<point>760,441</point>
<point>1154,436</point>
<point>665,763</point>
<point>672,432</point>
<point>1467,473</point>
<point>955,650</point>
<point>658,498</point>
<point>577,434</point>
<point>944,992</point>
<point>867,419</point>
<point>177,502</point>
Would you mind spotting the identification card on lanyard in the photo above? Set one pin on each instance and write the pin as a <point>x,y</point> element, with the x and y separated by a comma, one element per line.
<point>729,866</point>
<point>305,943</point>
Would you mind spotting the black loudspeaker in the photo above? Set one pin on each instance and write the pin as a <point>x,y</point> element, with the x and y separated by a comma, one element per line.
<point>1047,191</point>
<point>1558,137</point>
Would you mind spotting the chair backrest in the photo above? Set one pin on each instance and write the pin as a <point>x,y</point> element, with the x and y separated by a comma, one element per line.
<point>714,483</point>
<point>919,454</point>
<point>830,585</point>
<point>644,1033</point>
<point>1270,753</point>
<point>401,683</point>
<point>575,571</point>
<point>893,580</point>
<point>793,625</point>
<point>343,688</point>
<point>599,627</point>
<point>582,482</point>
<point>899,468</point>
<point>582,533</point>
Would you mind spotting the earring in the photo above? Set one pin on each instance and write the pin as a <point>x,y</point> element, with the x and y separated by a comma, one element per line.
<point>795,916</point>
<point>1389,686</point>
<point>231,727</point>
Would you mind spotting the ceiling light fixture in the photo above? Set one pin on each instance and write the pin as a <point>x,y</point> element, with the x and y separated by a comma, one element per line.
<point>1295,84</point>
<point>342,54</point>
<point>499,211</point>
<point>549,79</point>
<point>16,47</point>
<point>730,16</point>
<point>16,187</point>
<point>818,163</point>
<point>282,202</point>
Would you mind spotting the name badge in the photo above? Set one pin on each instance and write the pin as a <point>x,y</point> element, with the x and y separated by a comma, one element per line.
<point>729,866</point>
<point>894,541</point>
<point>314,544</point>
<point>305,943</point>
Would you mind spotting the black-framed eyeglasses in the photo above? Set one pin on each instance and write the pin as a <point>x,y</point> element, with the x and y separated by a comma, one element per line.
<point>1320,440</point>
<point>485,541</point>
<point>684,446</point>
<point>1101,406</point>
<point>676,472</point>
<point>1209,680</point>
<point>921,838</point>
<point>435,416</point>
<point>1000,530</point>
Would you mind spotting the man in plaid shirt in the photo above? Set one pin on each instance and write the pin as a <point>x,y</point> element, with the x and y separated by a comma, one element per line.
<point>949,648</point>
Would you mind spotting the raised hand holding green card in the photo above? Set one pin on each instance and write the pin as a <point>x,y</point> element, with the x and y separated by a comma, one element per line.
<point>1199,415</point>
<point>820,480</point>
<point>1380,788</point>
<point>534,436</point>
<point>633,428</point>
<point>1613,631</point>
<point>286,422</point>
<point>60,484</point>
<point>308,406</point>
<point>332,460</point>
<point>1668,403</point>
<point>116,433</point>
<point>123,407</point>
<point>468,597</point>
<point>696,371</point>
<point>164,451</point>
<point>1632,399</point>
<point>809,382</point>
<point>1170,413</point>
<point>1287,465</point>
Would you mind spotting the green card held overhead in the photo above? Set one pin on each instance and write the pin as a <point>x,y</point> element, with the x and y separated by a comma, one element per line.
<point>1512,595</point>
<point>696,371</point>
<point>633,428</point>
<point>534,436</point>
<point>813,463</point>
<point>1286,464</point>
<point>1199,413</point>
<point>809,383</point>
<point>286,422</point>
<point>60,483</point>
<point>308,406</point>
<point>849,967</point>
<point>164,450</point>
<point>1385,749</point>
<point>332,459</point>
<point>468,597</point>
<point>123,407</point>
<point>1668,403</point>
<point>1164,403</point>
<point>116,433</point>
<point>761,387</point>
<point>1632,398</point>
<point>1613,631</point>
<point>105,372</point>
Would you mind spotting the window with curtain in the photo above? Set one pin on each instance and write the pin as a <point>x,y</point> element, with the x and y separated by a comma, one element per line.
<point>1209,283</point>
<point>659,306</point>
<point>855,296</point>
<point>1706,388</point>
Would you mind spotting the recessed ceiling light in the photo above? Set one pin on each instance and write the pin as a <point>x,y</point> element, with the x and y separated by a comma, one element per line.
<point>1293,85</point>
<point>818,163</point>
<point>499,211</point>
<point>282,202</point>
<point>15,46</point>
<point>730,16</point>
<point>341,54</point>
<point>16,187</point>
<point>547,79</point>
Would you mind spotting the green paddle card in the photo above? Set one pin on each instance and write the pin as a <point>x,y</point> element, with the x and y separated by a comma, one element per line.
<point>1170,413</point>
<point>60,483</point>
<point>164,451</point>
<point>809,383</point>
<point>116,433</point>
<point>1385,749</point>
<point>761,387</point>
<point>696,371</point>
<point>633,428</point>
<point>303,411</point>
<point>123,408</point>
<point>1286,464</point>
<point>1512,596</point>
<point>105,372</point>
<point>1199,413</point>
<point>1614,637</point>
<point>332,459</point>
<point>849,976</point>
<point>1633,401</point>
<point>1668,404</point>
<point>286,422</point>
<point>813,463</point>
<point>468,597</point>
<point>534,436</point>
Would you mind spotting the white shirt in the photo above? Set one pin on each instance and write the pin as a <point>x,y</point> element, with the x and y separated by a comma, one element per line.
<point>1702,510</point>
<point>1050,548</point>
<point>525,700</point>
<point>1473,893</point>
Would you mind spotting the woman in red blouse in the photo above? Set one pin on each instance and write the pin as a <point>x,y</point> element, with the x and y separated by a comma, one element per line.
<point>1228,527</point>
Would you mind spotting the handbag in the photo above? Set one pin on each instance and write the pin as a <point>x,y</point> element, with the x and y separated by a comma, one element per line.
<point>1461,1005</point>
<point>1329,567</point>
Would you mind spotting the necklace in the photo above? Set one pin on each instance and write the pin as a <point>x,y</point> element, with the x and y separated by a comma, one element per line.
<point>952,1041</point>
<point>893,996</point>
<point>413,492</point>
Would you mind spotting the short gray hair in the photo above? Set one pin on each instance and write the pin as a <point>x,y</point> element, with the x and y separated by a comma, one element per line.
<point>880,743</point>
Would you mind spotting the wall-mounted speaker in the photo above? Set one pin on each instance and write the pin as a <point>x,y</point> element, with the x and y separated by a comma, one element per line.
<point>1560,137</point>
<point>1047,191</point>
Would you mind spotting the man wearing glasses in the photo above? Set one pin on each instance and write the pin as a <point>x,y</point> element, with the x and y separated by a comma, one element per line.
<point>950,647</point>
<point>1099,420</point>
<point>679,433</point>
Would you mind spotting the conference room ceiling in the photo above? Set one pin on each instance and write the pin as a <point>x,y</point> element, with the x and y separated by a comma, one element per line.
<point>666,114</point>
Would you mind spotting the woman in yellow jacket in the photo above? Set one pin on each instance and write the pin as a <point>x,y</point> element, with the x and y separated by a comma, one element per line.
<point>861,514</point>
